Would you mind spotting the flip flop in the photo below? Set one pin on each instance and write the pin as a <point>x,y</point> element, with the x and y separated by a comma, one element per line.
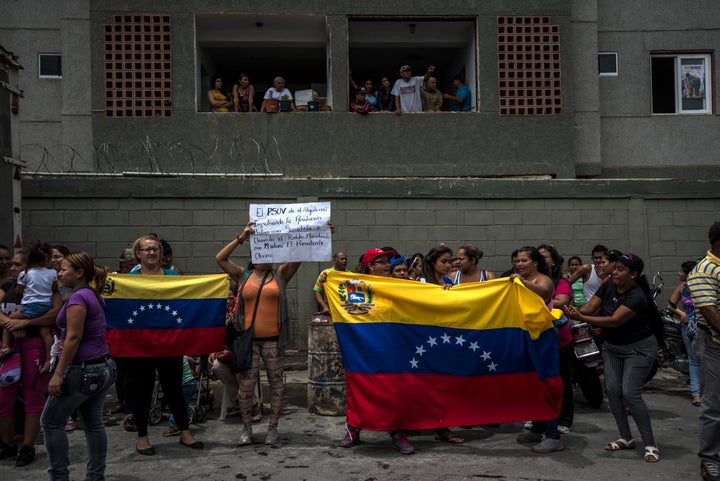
<point>620,444</point>
<point>652,455</point>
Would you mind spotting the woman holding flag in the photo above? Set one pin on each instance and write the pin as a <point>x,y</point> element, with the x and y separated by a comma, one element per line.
<point>141,370</point>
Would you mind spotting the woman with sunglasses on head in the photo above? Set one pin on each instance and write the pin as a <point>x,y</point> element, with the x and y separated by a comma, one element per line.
<point>627,314</point>
<point>141,370</point>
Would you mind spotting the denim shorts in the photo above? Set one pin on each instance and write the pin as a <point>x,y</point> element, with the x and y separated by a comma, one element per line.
<point>34,309</point>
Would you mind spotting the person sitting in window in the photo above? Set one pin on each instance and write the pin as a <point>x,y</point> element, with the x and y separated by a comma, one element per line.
<point>360,103</point>
<point>277,92</point>
<point>219,100</point>
<point>460,102</point>
<point>243,94</point>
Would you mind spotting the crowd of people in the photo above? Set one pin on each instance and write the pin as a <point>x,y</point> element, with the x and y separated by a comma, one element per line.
<point>406,94</point>
<point>53,318</point>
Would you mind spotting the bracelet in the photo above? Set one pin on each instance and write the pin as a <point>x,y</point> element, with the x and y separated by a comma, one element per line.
<point>237,238</point>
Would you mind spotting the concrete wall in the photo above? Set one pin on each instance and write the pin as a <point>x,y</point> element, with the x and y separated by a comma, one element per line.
<point>633,139</point>
<point>665,222</point>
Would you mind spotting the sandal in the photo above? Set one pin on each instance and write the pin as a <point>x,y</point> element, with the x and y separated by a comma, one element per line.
<point>444,434</point>
<point>652,455</point>
<point>620,444</point>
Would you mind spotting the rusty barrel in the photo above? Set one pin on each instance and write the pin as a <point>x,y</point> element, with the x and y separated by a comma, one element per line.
<point>326,373</point>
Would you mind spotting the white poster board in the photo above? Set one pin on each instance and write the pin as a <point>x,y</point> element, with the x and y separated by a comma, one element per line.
<point>290,232</point>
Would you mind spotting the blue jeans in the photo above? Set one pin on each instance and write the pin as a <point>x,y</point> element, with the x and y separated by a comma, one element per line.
<point>626,368</point>
<point>694,364</point>
<point>188,390</point>
<point>83,388</point>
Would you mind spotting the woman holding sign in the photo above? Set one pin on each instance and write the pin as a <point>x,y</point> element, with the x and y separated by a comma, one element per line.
<point>262,307</point>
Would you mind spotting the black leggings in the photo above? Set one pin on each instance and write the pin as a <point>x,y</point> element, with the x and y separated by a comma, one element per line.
<point>141,382</point>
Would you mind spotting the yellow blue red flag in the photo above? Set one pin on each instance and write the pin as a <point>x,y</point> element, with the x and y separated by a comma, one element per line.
<point>158,316</point>
<point>418,356</point>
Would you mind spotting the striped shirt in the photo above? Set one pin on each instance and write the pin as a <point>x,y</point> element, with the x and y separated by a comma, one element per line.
<point>704,285</point>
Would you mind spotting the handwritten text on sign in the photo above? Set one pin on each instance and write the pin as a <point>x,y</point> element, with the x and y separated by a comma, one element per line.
<point>291,232</point>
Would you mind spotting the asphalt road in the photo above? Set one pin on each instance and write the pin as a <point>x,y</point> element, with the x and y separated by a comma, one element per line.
<point>309,448</point>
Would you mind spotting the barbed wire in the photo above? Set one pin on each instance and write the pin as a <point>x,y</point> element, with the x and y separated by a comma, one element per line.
<point>236,155</point>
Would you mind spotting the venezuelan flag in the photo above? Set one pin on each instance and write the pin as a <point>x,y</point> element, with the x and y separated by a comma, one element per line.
<point>419,357</point>
<point>157,316</point>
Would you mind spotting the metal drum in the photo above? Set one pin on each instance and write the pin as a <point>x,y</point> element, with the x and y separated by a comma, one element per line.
<point>326,374</point>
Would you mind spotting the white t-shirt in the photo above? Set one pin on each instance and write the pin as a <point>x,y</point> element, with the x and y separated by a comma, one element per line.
<point>272,93</point>
<point>38,283</point>
<point>409,94</point>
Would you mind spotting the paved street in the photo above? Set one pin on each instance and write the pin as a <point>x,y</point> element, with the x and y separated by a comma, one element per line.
<point>309,449</point>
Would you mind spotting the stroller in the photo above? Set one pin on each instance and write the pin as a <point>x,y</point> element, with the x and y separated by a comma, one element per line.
<point>197,408</point>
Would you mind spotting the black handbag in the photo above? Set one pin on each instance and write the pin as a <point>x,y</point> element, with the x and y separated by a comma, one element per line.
<point>242,345</point>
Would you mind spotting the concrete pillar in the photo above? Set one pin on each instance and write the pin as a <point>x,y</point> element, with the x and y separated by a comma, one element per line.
<point>337,62</point>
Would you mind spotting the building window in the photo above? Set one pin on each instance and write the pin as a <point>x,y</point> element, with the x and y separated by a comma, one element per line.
<point>49,65</point>
<point>607,64</point>
<point>263,47</point>
<point>138,66</point>
<point>681,84</point>
<point>529,81</point>
<point>380,47</point>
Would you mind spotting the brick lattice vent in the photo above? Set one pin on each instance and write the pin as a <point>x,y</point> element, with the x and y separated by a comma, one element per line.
<point>528,66</point>
<point>138,66</point>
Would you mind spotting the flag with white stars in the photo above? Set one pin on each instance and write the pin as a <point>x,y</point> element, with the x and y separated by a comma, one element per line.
<point>157,316</point>
<point>418,356</point>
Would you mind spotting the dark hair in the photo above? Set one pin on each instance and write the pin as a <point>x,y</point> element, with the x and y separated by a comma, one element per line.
<point>472,252</point>
<point>688,266</point>
<point>599,248</point>
<point>714,233</point>
<point>39,253</point>
<point>4,247</point>
<point>574,258</point>
<point>458,78</point>
<point>166,249</point>
<point>240,77</point>
<point>60,248</point>
<point>428,266</point>
<point>535,255</point>
<point>213,79</point>
<point>556,269</point>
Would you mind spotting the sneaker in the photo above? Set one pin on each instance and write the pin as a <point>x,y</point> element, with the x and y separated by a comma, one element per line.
<point>352,437</point>
<point>563,429</point>
<point>246,435</point>
<point>129,425</point>
<point>531,437</point>
<point>710,471</point>
<point>272,436</point>
<point>401,443</point>
<point>548,445</point>
<point>8,451</point>
<point>71,425</point>
<point>170,432</point>
<point>26,455</point>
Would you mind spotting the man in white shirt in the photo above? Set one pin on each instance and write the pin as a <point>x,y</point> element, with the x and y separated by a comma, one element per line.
<point>407,90</point>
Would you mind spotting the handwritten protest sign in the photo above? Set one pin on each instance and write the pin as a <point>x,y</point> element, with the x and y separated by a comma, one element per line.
<point>291,232</point>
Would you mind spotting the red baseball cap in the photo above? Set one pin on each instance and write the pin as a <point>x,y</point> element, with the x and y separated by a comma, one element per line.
<point>372,254</point>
